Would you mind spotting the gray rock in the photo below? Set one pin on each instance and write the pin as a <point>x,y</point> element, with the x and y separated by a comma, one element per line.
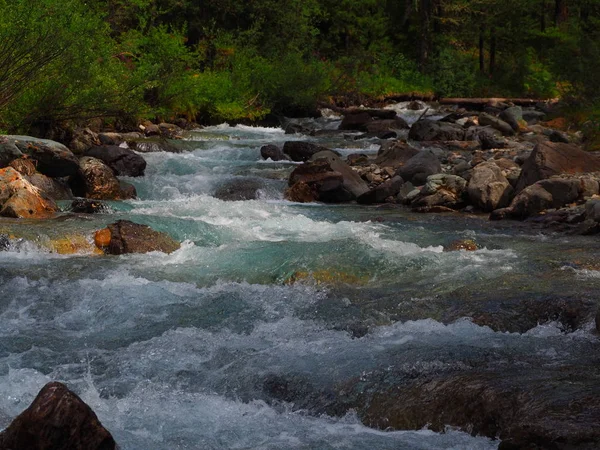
<point>8,151</point>
<point>419,167</point>
<point>512,116</point>
<point>486,119</point>
<point>52,158</point>
<point>531,116</point>
<point>488,137</point>
<point>430,130</point>
<point>488,188</point>
<point>51,187</point>
<point>447,182</point>
<point>592,210</point>
<point>548,159</point>
<point>558,136</point>
<point>122,161</point>
<point>352,181</point>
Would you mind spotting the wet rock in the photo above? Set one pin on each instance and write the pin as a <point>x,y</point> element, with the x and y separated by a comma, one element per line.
<point>153,145</point>
<point>169,130</point>
<point>8,151</point>
<point>83,139</point>
<point>303,192</point>
<point>273,152</point>
<point>124,237</point>
<point>545,194</point>
<point>351,180</point>
<point>20,199</point>
<point>526,408</point>
<point>54,188</point>
<point>122,161</point>
<point>357,121</point>
<point>88,206</point>
<point>394,154</point>
<point>494,122</point>
<point>95,180</point>
<point>238,189</point>
<point>57,419</point>
<point>51,158</point>
<point>441,190</point>
<point>416,105</point>
<point>488,137</point>
<point>548,159</point>
<point>488,188</point>
<point>301,151</point>
<point>419,167</point>
<point>378,127</point>
<point>118,138</point>
<point>24,166</point>
<point>379,194</point>
<point>127,190</point>
<point>150,129</point>
<point>430,130</point>
<point>598,321</point>
<point>4,242</point>
<point>468,245</point>
<point>512,116</point>
<point>326,178</point>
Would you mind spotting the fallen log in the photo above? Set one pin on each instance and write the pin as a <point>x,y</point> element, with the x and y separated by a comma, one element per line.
<point>481,102</point>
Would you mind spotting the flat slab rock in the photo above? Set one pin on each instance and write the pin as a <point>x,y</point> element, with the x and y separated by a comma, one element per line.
<point>57,419</point>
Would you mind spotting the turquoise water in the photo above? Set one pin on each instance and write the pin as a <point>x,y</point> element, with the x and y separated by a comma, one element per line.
<point>172,351</point>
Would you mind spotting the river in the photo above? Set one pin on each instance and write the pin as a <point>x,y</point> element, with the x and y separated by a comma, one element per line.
<point>172,351</point>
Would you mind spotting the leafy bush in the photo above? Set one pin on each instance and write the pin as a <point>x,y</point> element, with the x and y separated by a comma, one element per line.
<point>454,73</point>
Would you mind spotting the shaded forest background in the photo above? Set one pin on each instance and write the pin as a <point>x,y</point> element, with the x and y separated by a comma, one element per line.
<point>215,60</point>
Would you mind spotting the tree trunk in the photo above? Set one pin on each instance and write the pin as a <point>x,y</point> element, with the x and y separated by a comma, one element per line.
<point>561,13</point>
<point>424,45</point>
<point>481,50</point>
<point>543,17</point>
<point>493,52</point>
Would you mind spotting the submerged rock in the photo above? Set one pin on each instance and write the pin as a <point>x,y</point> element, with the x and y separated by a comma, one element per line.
<point>88,206</point>
<point>272,152</point>
<point>124,237</point>
<point>57,419</point>
<point>238,189</point>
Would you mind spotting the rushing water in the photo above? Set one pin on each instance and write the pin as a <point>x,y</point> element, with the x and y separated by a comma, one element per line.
<point>171,351</point>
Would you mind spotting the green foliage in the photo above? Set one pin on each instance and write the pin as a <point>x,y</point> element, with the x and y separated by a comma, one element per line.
<point>454,73</point>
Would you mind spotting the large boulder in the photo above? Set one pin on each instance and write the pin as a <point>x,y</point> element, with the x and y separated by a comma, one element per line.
<point>379,194</point>
<point>486,119</point>
<point>325,178</point>
<point>545,194</point>
<point>442,190</point>
<point>377,127</point>
<point>357,121</point>
<point>51,158</point>
<point>8,151</point>
<point>394,154</point>
<point>122,161</point>
<point>431,130</point>
<point>83,139</point>
<point>488,137</point>
<point>21,199</point>
<point>548,159</point>
<point>95,180</point>
<point>419,167</point>
<point>352,182</point>
<point>488,188</point>
<point>124,237</point>
<point>57,419</point>
<point>301,151</point>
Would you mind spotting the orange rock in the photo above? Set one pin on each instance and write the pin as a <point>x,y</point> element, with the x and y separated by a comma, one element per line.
<point>21,198</point>
<point>24,165</point>
<point>102,238</point>
<point>560,123</point>
<point>462,244</point>
<point>73,244</point>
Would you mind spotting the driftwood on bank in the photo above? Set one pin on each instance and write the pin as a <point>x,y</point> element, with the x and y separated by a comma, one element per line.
<point>481,102</point>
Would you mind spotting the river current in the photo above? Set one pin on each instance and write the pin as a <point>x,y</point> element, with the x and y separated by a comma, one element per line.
<point>171,351</point>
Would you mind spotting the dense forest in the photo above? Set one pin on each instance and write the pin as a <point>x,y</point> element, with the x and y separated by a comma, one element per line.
<point>213,60</point>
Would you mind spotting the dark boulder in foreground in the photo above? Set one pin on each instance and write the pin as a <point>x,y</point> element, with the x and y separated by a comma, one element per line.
<point>57,420</point>
<point>122,161</point>
<point>124,237</point>
<point>272,152</point>
<point>88,206</point>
